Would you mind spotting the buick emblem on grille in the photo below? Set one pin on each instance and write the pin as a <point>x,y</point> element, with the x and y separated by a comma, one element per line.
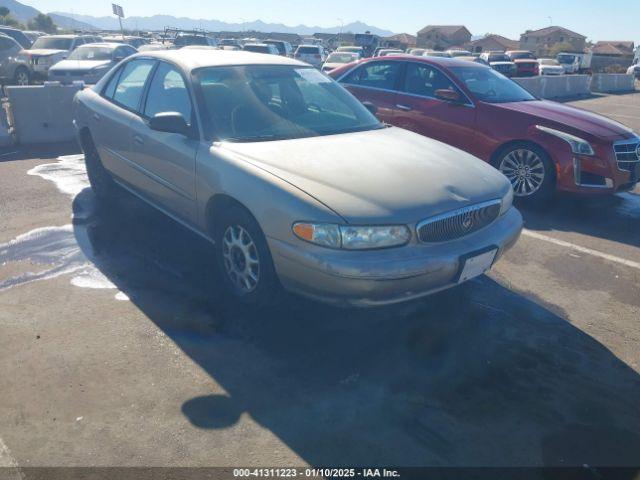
<point>638,151</point>
<point>467,222</point>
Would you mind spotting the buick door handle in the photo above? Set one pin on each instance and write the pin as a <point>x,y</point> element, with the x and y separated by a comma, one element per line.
<point>96,117</point>
<point>137,139</point>
<point>404,108</point>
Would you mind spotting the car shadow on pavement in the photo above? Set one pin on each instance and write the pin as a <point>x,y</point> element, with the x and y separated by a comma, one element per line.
<point>615,217</point>
<point>476,376</point>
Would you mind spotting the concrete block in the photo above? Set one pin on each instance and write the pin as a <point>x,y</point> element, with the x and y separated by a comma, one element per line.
<point>612,83</point>
<point>42,114</point>
<point>552,87</point>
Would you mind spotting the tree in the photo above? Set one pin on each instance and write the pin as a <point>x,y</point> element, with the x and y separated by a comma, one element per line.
<point>42,23</point>
<point>7,19</point>
<point>559,47</point>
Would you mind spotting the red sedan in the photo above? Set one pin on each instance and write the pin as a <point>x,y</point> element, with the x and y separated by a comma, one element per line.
<point>540,146</point>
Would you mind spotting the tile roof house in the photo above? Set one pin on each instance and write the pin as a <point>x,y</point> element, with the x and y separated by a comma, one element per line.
<point>543,39</point>
<point>613,48</point>
<point>401,40</point>
<point>492,43</point>
<point>442,37</point>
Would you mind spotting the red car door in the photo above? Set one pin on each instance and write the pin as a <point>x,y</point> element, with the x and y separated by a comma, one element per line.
<point>418,109</point>
<point>376,82</point>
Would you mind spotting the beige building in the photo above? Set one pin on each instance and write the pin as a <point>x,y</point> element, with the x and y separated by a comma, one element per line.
<point>542,40</point>
<point>492,43</point>
<point>401,40</point>
<point>442,37</point>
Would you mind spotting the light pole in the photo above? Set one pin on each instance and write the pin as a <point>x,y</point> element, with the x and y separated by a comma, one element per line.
<point>340,34</point>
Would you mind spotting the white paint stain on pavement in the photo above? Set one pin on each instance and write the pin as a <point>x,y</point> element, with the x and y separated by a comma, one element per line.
<point>8,464</point>
<point>59,250</point>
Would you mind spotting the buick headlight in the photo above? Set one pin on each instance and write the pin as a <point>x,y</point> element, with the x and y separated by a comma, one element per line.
<point>353,237</point>
<point>507,201</point>
<point>578,145</point>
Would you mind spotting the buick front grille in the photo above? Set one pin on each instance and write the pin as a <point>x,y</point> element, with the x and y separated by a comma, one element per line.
<point>458,223</point>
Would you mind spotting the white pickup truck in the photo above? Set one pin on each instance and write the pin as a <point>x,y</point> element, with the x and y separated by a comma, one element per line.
<point>634,69</point>
<point>575,62</point>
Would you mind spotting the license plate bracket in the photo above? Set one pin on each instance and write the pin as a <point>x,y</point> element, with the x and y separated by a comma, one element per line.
<point>476,263</point>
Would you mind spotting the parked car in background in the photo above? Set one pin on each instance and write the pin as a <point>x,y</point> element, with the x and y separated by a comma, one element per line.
<point>312,54</point>
<point>90,62</point>
<point>389,51</point>
<point>33,35</point>
<point>229,42</point>
<point>526,63</point>
<point>575,62</point>
<point>200,47</point>
<point>351,49</point>
<point>48,50</point>
<point>541,146</point>
<point>152,46</point>
<point>14,66</point>
<point>17,35</point>
<point>417,51</point>
<point>550,66</point>
<point>472,59</point>
<point>338,59</point>
<point>135,42</point>
<point>182,39</point>
<point>435,53</point>
<point>284,48</point>
<point>293,180</point>
<point>500,62</point>
<point>634,69</point>
<point>453,53</point>
<point>261,48</point>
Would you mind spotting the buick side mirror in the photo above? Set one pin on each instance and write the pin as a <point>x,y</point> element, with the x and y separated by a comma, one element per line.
<point>371,107</point>
<point>169,122</point>
<point>448,95</point>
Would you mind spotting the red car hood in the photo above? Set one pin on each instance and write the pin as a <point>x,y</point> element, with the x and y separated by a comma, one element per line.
<point>574,120</point>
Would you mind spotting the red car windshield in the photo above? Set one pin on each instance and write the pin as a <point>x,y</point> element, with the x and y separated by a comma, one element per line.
<point>489,86</point>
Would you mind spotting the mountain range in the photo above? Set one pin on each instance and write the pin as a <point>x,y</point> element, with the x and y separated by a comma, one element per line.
<point>24,13</point>
<point>158,22</point>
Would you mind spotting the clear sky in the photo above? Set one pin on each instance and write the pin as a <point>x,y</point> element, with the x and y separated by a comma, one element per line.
<point>597,19</point>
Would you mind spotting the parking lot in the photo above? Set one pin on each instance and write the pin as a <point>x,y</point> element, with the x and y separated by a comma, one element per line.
<point>118,348</point>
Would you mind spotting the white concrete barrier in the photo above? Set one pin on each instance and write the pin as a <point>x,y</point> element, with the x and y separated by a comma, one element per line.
<point>557,86</point>
<point>41,114</point>
<point>611,83</point>
<point>5,137</point>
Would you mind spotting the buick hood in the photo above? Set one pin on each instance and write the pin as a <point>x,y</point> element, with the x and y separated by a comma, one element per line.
<point>45,52</point>
<point>79,65</point>
<point>388,175</point>
<point>573,120</point>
